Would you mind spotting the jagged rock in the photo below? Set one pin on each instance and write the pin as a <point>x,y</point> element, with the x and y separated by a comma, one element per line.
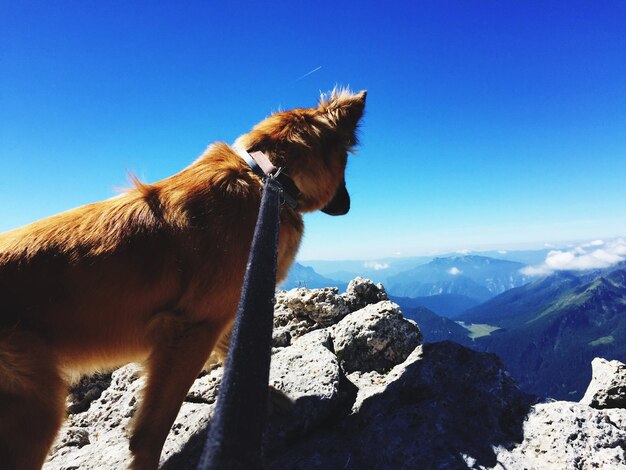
<point>97,438</point>
<point>561,435</point>
<point>365,394</point>
<point>362,292</point>
<point>300,311</point>
<point>608,385</point>
<point>449,405</point>
<point>99,431</point>
<point>86,391</point>
<point>308,373</point>
<point>281,337</point>
<point>376,337</point>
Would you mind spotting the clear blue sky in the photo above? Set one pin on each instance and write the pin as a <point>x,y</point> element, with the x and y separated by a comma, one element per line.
<point>489,124</point>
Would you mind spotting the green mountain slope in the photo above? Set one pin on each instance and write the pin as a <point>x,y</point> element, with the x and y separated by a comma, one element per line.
<point>446,305</point>
<point>555,327</point>
<point>436,328</point>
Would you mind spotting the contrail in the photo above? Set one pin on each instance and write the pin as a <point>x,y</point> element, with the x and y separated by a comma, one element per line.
<point>308,73</point>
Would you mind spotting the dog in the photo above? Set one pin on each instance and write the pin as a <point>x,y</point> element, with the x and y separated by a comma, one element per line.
<point>152,275</point>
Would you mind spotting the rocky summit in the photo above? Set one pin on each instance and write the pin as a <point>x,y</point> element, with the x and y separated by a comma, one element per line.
<point>366,393</point>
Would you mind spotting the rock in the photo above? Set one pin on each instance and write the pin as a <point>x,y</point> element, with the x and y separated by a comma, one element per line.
<point>308,373</point>
<point>281,337</point>
<point>448,405</point>
<point>376,337</point>
<point>362,292</point>
<point>97,437</point>
<point>562,435</point>
<point>86,391</point>
<point>366,394</point>
<point>300,311</point>
<point>608,385</point>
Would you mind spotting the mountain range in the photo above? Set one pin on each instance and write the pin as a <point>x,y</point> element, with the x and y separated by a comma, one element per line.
<point>305,276</point>
<point>552,328</point>
<point>445,305</point>
<point>380,269</point>
<point>476,277</point>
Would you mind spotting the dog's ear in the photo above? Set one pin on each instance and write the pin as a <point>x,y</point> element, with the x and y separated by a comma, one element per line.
<point>342,109</point>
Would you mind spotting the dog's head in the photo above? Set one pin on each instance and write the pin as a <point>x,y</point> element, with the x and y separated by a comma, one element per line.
<point>312,146</point>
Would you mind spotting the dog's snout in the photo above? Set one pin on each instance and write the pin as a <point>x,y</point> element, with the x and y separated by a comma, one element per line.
<point>340,203</point>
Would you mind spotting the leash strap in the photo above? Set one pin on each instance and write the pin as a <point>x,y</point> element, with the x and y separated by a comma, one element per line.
<point>235,436</point>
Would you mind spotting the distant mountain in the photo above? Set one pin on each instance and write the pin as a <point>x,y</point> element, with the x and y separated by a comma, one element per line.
<point>378,270</point>
<point>446,305</point>
<point>436,328</point>
<point>381,269</point>
<point>305,276</point>
<point>526,257</point>
<point>477,277</point>
<point>554,327</point>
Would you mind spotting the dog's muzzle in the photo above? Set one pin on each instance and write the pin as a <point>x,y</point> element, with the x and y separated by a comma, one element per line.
<point>340,203</point>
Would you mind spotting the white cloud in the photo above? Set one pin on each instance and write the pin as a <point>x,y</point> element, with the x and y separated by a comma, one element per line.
<point>594,255</point>
<point>375,265</point>
<point>502,252</point>
<point>454,271</point>
<point>464,252</point>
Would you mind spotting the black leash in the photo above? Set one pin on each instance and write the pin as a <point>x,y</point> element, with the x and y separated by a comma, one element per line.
<point>235,437</point>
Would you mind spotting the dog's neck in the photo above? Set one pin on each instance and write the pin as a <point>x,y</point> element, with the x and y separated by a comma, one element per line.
<point>263,168</point>
<point>258,161</point>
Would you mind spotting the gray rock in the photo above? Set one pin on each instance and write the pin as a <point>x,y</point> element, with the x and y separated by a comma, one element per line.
<point>300,311</point>
<point>97,438</point>
<point>366,394</point>
<point>281,337</point>
<point>564,435</point>
<point>362,292</point>
<point>100,430</point>
<point>608,385</point>
<point>308,373</point>
<point>86,391</point>
<point>449,406</point>
<point>376,337</point>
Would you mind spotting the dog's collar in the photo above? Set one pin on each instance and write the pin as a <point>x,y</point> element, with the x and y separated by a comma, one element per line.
<point>263,168</point>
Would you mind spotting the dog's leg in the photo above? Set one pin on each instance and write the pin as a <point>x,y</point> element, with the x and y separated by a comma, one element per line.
<point>180,350</point>
<point>31,400</point>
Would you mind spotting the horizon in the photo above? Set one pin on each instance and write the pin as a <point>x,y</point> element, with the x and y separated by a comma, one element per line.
<point>486,127</point>
<point>502,249</point>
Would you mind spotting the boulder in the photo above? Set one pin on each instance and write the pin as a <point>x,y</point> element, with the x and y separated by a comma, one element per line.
<point>300,311</point>
<point>362,292</point>
<point>608,385</point>
<point>377,337</point>
<point>560,435</point>
<point>447,406</point>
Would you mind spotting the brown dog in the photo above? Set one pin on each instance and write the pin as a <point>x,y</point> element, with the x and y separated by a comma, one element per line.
<point>151,275</point>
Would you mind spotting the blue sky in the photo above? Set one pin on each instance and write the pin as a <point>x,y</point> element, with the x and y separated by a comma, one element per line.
<point>488,124</point>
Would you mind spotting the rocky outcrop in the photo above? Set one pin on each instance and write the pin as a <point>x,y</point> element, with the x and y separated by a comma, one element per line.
<point>365,394</point>
<point>608,385</point>
<point>563,435</point>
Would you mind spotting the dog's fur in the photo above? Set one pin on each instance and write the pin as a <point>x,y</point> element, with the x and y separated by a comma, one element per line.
<point>152,275</point>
